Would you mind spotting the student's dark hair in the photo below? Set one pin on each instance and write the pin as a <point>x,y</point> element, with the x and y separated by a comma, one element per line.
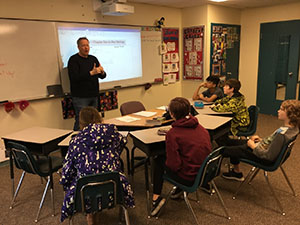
<point>292,109</point>
<point>89,115</point>
<point>214,79</point>
<point>179,107</point>
<point>234,83</point>
<point>81,38</point>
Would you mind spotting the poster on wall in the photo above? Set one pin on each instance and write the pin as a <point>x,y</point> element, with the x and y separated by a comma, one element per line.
<point>193,52</point>
<point>170,53</point>
<point>225,40</point>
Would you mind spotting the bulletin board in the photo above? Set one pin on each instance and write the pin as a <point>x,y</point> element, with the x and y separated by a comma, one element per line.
<point>225,45</point>
<point>193,52</point>
<point>170,54</point>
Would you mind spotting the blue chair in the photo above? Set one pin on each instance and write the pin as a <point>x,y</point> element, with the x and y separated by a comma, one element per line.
<point>251,129</point>
<point>208,171</point>
<point>282,157</point>
<point>42,166</point>
<point>100,191</point>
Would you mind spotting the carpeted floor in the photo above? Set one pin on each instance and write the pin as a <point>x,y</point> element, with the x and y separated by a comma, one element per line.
<point>254,204</point>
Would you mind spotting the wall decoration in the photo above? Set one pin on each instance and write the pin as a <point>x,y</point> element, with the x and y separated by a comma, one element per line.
<point>170,52</point>
<point>108,100</point>
<point>225,44</point>
<point>193,52</point>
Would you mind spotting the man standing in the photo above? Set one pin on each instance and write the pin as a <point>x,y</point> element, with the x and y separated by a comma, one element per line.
<point>84,71</point>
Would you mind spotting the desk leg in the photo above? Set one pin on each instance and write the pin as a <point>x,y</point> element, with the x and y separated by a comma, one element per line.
<point>11,168</point>
<point>147,188</point>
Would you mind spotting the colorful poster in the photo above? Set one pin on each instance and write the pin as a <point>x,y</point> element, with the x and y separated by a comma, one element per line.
<point>193,52</point>
<point>170,52</point>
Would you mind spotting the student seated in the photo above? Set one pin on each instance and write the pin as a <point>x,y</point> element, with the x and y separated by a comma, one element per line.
<point>212,93</point>
<point>95,149</point>
<point>233,102</point>
<point>267,149</point>
<point>187,145</point>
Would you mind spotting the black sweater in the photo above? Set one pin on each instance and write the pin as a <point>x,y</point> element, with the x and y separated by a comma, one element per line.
<point>82,83</point>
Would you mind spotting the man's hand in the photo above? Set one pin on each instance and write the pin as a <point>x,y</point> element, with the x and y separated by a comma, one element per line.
<point>255,138</point>
<point>251,144</point>
<point>96,70</point>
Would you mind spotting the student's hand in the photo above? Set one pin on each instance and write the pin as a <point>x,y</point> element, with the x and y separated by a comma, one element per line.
<point>251,144</point>
<point>255,138</point>
<point>202,85</point>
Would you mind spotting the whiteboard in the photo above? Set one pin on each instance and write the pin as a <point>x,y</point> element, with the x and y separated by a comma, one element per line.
<point>151,59</point>
<point>28,59</point>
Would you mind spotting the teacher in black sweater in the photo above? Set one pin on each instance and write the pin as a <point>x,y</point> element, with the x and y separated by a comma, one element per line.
<point>84,71</point>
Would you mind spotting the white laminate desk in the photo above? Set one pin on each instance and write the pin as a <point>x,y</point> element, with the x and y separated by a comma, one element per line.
<point>153,144</point>
<point>39,140</point>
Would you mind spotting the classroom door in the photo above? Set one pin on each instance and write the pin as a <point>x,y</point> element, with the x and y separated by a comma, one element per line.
<point>278,71</point>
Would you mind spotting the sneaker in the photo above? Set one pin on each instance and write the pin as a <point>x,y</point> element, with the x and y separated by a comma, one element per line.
<point>232,175</point>
<point>156,205</point>
<point>177,193</point>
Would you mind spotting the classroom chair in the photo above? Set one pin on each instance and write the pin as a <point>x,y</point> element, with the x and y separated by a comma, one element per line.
<point>100,191</point>
<point>282,157</point>
<point>41,166</point>
<point>251,129</point>
<point>208,171</point>
<point>125,109</point>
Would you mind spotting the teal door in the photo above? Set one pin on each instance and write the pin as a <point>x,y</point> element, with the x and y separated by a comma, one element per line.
<point>278,70</point>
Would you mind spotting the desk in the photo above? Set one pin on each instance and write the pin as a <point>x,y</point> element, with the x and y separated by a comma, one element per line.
<point>39,140</point>
<point>138,124</point>
<point>153,144</point>
<point>207,110</point>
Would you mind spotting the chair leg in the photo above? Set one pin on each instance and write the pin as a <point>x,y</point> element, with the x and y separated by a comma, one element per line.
<point>17,191</point>
<point>42,200</point>
<point>132,161</point>
<point>197,196</point>
<point>126,215</point>
<point>273,193</point>
<point>221,199</point>
<point>128,160</point>
<point>244,182</point>
<point>147,187</point>
<point>190,207</point>
<point>168,197</point>
<point>253,175</point>
<point>288,181</point>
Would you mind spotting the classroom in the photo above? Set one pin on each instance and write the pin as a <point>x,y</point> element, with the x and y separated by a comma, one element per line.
<point>47,112</point>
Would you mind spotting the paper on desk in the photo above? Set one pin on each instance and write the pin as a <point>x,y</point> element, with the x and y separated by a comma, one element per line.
<point>127,119</point>
<point>162,107</point>
<point>145,113</point>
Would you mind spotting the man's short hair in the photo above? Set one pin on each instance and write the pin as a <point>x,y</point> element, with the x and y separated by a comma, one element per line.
<point>214,79</point>
<point>234,83</point>
<point>179,107</point>
<point>81,38</point>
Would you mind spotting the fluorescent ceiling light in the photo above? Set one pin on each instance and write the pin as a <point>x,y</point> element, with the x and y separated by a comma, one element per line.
<point>218,0</point>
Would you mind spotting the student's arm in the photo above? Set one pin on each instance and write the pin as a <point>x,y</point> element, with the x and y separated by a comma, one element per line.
<point>173,160</point>
<point>210,99</point>
<point>273,150</point>
<point>68,169</point>
<point>196,96</point>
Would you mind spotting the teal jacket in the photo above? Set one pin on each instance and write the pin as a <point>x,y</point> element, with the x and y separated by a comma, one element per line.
<point>236,105</point>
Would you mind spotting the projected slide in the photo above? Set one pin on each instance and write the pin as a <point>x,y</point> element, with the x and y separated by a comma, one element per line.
<point>117,49</point>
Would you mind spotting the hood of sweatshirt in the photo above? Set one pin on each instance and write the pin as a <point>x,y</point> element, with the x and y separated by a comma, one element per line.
<point>188,122</point>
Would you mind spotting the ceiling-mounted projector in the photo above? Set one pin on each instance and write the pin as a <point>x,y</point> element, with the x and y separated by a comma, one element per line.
<point>113,7</point>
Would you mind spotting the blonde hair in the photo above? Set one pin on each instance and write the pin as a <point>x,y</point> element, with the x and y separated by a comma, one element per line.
<point>292,109</point>
<point>89,115</point>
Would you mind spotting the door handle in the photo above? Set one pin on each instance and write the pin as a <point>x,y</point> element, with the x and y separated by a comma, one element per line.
<point>290,74</point>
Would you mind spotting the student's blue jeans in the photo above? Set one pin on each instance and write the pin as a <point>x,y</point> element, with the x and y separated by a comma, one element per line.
<point>79,103</point>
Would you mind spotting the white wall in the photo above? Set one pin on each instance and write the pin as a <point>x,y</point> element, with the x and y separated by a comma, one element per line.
<point>205,15</point>
<point>250,23</point>
<point>48,113</point>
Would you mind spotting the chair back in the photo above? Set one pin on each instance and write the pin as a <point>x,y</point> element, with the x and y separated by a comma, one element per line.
<point>23,158</point>
<point>131,107</point>
<point>98,191</point>
<point>253,114</point>
<point>209,169</point>
<point>281,158</point>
